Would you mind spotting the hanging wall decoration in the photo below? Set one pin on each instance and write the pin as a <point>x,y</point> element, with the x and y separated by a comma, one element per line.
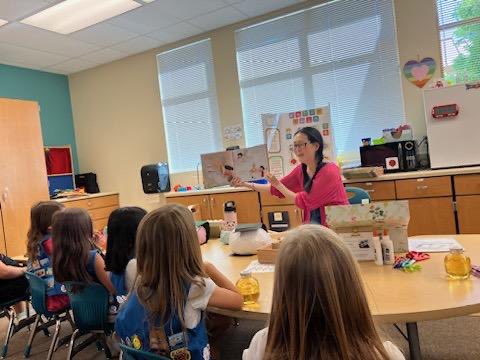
<point>419,72</point>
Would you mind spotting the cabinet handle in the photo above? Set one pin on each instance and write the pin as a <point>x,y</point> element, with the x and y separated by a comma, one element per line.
<point>370,190</point>
<point>422,187</point>
<point>5,194</point>
<point>368,184</point>
<point>212,199</point>
<point>204,200</point>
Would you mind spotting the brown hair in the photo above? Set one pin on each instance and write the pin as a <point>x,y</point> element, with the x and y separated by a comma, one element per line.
<point>72,231</point>
<point>319,308</point>
<point>168,260</point>
<point>41,215</point>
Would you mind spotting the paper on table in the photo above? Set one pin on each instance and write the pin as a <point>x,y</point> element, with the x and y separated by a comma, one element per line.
<point>256,267</point>
<point>431,245</point>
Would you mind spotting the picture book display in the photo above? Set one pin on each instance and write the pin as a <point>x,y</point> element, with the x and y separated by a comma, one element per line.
<point>248,164</point>
<point>279,130</point>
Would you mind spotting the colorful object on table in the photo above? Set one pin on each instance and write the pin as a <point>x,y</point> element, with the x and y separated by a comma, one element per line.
<point>379,141</point>
<point>419,73</point>
<point>180,188</point>
<point>406,264</point>
<point>476,270</point>
<point>417,256</point>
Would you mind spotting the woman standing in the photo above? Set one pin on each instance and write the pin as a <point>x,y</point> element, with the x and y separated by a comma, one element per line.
<point>311,185</point>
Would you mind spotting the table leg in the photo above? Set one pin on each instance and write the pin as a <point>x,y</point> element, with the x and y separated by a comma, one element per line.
<point>413,341</point>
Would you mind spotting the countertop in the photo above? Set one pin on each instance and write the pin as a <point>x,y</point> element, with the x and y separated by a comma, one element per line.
<point>83,197</point>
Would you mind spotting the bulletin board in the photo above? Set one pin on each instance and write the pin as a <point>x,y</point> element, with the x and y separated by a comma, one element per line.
<point>278,132</point>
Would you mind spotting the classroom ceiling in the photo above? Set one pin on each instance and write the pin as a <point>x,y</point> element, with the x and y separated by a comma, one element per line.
<point>149,26</point>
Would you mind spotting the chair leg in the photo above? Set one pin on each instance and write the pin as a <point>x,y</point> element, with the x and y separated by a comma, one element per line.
<point>72,344</point>
<point>54,339</point>
<point>33,332</point>
<point>106,348</point>
<point>8,334</point>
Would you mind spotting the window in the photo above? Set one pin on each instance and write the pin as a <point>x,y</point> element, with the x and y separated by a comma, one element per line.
<point>189,102</point>
<point>342,53</point>
<point>459,26</point>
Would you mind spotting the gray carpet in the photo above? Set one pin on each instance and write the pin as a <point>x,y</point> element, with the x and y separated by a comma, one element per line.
<point>451,339</point>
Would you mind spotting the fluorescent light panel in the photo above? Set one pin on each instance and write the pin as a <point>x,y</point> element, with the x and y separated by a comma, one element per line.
<point>3,22</point>
<point>73,15</point>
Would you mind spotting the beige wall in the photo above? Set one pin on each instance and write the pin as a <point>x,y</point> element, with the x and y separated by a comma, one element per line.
<point>118,116</point>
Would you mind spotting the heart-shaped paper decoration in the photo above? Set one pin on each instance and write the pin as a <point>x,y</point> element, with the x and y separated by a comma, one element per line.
<point>419,73</point>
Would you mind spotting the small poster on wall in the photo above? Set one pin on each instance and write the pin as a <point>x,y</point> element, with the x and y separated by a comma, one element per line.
<point>279,130</point>
<point>248,164</point>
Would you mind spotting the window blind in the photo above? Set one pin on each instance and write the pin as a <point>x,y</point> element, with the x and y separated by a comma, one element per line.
<point>189,104</point>
<point>343,53</point>
<point>459,26</point>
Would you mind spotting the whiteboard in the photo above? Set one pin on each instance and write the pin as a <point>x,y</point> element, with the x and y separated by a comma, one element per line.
<point>453,141</point>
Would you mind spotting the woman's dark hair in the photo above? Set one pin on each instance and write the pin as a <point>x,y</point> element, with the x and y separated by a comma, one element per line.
<point>314,137</point>
<point>40,221</point>
<point>122,230</point>
<point>72,233</point>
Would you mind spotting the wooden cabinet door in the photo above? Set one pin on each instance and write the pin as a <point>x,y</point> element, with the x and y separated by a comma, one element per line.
<point>378,190</point>
<point>468,208</point>
<point>431,216</point>
<point>201,200</point>
<point>247,203</point>
<point>294,215</point>
<point>23,173</point>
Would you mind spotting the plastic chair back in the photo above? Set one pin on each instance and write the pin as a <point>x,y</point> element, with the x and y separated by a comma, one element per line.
<point>356,195</point>
<point>89,303</point>
<point>38,291</point>
<point>130,353</point>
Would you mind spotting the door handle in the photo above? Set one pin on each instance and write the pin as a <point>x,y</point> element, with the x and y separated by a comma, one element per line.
<point>5,194</point>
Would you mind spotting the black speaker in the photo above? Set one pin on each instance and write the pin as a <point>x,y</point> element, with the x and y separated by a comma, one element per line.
<point>88,181</point>
<point>155,178</point>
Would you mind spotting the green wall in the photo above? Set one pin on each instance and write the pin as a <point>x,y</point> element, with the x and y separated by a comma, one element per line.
<point>52,93</point>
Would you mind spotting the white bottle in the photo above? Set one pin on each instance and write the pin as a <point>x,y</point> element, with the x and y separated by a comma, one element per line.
<point>377,248</point>
<point>387,249</point>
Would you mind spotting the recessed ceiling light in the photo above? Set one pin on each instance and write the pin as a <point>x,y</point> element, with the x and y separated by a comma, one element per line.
<point>72,15</point>
<point>3,22</point>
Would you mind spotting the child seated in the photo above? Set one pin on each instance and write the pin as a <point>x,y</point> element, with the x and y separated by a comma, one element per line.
<point>319,308</point>
<point>164,314</point>
<point>13,285</point>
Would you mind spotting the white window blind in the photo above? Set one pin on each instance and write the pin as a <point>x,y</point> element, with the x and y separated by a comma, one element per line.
<point>343,53</point>
<point>459,26</point>
<point>189,102</point>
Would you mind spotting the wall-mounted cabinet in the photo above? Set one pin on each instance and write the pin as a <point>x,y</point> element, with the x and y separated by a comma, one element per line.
<point>59,164</point>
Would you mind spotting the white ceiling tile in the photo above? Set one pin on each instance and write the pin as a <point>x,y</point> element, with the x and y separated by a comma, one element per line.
<point>34,38</point>
<point>218,18</point>
<point>104,34</point>
<point>187,9</point>
<point>146,18</point>
<point>11,53</point>
<point>175,32</point>
<point>17,9</point>
<point>71,66</point>
<point>138,45</point>
<point>103,56</point>
<point>255,7</point>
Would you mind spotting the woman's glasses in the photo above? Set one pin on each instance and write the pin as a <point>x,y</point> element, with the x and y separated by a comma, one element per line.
<point>300,146</point>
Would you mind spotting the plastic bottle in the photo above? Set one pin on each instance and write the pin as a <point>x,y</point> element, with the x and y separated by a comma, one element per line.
<point>249,288</point>
<point>229,216</point>
<point>387,249</point>
<point>457,264</point>
<point>377,248</point>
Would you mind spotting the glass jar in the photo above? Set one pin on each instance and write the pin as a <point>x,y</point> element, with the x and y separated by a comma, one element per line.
<point>249,288</point>
<point>457,264</point>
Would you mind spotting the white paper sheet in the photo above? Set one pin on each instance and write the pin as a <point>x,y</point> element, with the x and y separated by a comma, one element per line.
<point>256,267</point>
<point>432,245</point>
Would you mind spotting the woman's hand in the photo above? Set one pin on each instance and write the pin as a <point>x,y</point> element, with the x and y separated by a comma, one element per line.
<point>237,182</point>
<point>272,180</point>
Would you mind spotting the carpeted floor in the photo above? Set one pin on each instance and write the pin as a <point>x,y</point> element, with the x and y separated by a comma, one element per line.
<point>451,339</point>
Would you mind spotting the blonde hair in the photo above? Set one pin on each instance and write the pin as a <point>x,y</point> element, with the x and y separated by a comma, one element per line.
<point>168,261</point>
<point>319,308</point>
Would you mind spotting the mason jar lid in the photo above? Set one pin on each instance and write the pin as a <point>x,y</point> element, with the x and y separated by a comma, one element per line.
<point>456,249</point>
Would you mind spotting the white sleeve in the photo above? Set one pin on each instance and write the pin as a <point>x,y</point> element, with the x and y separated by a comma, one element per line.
<point>256,350</point>
<point>130,274</point>
<point>393,351</point>
<point>199,296</point>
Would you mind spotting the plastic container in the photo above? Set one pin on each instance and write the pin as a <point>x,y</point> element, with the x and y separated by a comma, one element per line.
<point>457,264</point>
<point>249,288</point>
<point>229,216</point>
<point>387,249</point>
<point>377,248</point>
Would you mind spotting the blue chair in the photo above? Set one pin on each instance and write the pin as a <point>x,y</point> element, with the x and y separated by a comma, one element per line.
<point>129,353</point>
<point>356,195</point>
<point>38,289</point>
<point>89,303</point>
<point>6,309</point>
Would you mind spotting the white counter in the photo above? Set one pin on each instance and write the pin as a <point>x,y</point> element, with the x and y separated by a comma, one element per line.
<point>217,190</point>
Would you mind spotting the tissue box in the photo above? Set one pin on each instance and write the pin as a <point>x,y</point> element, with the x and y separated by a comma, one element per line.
<point>353,222</point>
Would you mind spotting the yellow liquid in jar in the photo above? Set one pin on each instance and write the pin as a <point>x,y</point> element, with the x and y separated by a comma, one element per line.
<point>457,266</point>
<point>249,288</point>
